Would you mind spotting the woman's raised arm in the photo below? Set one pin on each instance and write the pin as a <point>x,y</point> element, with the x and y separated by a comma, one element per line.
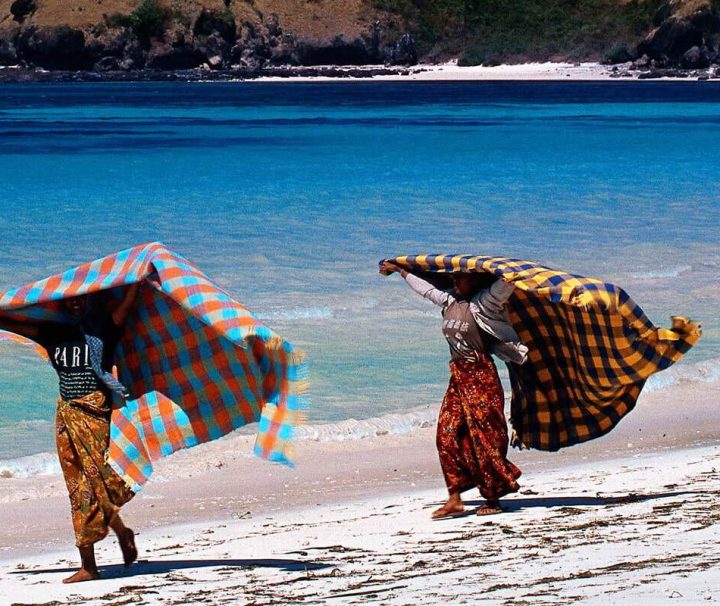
<point>420,286</point>
<point>120,313</point>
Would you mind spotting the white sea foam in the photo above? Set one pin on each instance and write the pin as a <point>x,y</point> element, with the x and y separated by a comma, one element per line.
<point>669,272</point>
<point>297,313</point>
<point>707,371</point>
<point>353,429</point>
<point>42,464</point>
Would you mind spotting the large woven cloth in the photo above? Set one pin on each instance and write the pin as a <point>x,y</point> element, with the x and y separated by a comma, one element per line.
<point>591,348</point>
<point>197,363</point>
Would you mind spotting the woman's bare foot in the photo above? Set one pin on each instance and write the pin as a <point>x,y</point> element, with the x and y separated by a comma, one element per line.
<point>82,575</point>
<point>453,507</point>
<point>88,568</point>
<point>490,508</point>
<point>126,538</point>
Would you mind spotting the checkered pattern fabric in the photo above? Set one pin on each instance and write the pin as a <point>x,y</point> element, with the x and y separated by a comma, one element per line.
<point>591,348</point>
<point>197,363</point>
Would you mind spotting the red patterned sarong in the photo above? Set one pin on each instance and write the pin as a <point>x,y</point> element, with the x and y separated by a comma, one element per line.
<point>472,435</point>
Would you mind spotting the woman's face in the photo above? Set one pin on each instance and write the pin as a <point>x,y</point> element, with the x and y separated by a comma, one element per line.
<point>464,284</point>
<point>76,306</point>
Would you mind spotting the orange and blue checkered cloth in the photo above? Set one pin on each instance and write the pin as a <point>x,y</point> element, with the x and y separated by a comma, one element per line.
<point>591,348</point>
<point>197,363</point>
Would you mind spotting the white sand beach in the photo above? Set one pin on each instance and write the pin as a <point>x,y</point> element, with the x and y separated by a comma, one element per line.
<point>547,71</point>
<point>522,71</point>
<point>451,71</point>
<point>630,517</point>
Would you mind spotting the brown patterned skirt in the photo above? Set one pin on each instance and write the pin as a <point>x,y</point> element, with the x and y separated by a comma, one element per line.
<point>472,436</point>
<point>82,431</point>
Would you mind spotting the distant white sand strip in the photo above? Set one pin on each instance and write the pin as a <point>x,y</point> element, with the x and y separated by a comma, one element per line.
<point>523,71</point>
<point>451,71</point>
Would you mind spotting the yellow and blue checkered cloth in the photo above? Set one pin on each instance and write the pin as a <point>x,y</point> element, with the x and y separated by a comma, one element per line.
<point>197,363</point>
<point>591,348</point>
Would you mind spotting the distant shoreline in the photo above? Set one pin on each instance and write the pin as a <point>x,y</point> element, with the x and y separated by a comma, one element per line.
<point>448,72</point>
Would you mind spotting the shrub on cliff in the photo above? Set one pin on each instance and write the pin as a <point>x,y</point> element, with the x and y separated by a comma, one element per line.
<point>147,21</point>
<point>214,21</point>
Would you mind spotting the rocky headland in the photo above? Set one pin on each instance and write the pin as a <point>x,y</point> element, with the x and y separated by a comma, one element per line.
<point>229,39</point>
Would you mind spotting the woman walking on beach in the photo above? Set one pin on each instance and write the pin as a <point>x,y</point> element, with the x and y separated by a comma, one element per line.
<point>81,352</point>
<point>472,437</point>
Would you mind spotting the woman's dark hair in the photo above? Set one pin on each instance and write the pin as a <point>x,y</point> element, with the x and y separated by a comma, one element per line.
<point>480,279</point>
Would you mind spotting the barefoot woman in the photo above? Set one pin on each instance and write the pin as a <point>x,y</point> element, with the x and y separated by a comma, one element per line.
<point>472,438</point>
<point>81,351</point>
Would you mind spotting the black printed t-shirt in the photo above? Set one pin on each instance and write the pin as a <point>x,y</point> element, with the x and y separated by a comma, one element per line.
<point>70,356</point>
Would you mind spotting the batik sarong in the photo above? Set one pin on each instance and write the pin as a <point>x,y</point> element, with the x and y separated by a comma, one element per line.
<point>82,430</point>
<point>472,435</point>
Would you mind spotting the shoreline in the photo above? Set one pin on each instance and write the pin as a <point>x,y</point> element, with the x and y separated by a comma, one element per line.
<point>448,72</point>
<point>698,375</point>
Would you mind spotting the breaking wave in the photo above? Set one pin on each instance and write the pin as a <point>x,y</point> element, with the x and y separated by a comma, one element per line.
<point>297,313</point>
<point>353,429</point>
<point>670,272</point>
<point>42,464</point>
<point>707,371</point>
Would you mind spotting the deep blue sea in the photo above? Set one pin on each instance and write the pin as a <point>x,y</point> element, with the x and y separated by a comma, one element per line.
<point>288,194</point>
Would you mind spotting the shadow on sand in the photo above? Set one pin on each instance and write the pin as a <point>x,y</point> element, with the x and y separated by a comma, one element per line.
<point>142,567</point>
<point>518,503</point>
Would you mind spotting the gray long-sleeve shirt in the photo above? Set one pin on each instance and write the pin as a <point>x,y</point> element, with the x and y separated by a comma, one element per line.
<point>488,311</point>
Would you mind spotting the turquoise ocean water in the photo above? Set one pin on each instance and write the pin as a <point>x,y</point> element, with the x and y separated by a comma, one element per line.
<point>288,194</point>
